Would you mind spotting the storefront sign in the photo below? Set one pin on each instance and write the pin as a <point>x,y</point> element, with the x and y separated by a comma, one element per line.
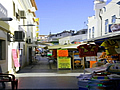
<point>62,53</point>
<point>115,27</point>
<point>64,62</point>
<point>3,11</point>
<point>14,55</point>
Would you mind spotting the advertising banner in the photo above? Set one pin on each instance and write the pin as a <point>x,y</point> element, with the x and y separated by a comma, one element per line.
<point>15,58</point>
<point>64,62</point>
<point>114,27</point>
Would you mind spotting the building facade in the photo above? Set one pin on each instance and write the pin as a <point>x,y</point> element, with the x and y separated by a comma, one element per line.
<point>77,37</point>
<point>42,38</point>
<point>14,53</point>
<point>54,38</point>
<point>105,16</point>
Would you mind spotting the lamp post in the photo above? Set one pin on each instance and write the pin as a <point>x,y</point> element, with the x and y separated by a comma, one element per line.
<point>118,3</point>
<point>6,19</point>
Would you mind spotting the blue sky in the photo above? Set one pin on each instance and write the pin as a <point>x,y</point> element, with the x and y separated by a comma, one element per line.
<point>59,15</point>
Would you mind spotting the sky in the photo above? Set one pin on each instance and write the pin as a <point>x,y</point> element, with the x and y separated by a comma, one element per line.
<point>56,16</point>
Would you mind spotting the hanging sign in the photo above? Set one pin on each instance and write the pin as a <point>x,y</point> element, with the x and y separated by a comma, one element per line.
<point>64,62</point>
<point>62,53</point>
<point>14,55</point>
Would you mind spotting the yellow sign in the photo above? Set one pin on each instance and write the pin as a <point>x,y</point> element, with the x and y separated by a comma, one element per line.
<point>37,34</point>
<point>37,27</point>
<point>37,30</point>
<point>37,19</point>
<point>64,62</point>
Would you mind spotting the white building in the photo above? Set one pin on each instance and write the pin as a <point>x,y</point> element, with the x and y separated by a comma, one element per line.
<point>105,15</point>
<point>77,37</point>
<point>23,13</point>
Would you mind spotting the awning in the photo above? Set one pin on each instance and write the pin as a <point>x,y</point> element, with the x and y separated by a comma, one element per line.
<point>113,35</point>
<point>69,46</point>
<point>72,46</point>
<point>55,47</point>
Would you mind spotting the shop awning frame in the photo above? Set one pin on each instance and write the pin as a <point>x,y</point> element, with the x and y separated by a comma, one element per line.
<point>113,35</point>
<point>69,46</point>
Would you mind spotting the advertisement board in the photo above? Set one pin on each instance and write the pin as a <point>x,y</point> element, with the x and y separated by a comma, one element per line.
<point>114,27</point>
<point>15,58</point>
<point>64,62</point>
<point>62,53</point>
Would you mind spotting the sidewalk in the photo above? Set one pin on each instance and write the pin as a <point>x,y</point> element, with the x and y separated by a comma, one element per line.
<point>40,76</point>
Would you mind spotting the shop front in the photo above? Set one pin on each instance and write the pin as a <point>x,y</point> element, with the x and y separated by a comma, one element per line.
<point>66,56</point>
<point>104,61</point>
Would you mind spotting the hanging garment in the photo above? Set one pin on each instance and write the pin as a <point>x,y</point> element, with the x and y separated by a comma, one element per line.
<point>110,47</point>
<point>88,50</point>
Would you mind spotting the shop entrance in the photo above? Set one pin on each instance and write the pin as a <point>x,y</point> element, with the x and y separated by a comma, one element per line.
<point>30,55</point>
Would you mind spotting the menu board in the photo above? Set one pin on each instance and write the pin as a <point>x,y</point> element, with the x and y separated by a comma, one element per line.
<point>64,62</point>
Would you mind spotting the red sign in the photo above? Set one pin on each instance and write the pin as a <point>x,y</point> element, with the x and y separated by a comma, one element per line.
<point>14,54</point>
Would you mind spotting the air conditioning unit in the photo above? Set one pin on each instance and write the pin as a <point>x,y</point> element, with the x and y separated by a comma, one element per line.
<point>19,36</point>
<point>22,15</point>
<point>29,41</point>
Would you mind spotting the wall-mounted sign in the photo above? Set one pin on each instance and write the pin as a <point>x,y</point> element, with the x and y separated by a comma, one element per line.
<point>115,27</point>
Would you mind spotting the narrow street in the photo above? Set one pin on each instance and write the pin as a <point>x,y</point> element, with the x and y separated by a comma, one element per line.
<point>39,75</point>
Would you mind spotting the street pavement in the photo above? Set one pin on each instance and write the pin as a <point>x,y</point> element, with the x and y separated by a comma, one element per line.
<point>39,75</point>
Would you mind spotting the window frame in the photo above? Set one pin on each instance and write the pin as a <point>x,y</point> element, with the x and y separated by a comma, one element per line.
<point>106,26</point>
<point>2,49</point>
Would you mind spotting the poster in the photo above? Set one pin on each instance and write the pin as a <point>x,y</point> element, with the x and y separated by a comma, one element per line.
<point>64,62</point>
<point>15,58</point>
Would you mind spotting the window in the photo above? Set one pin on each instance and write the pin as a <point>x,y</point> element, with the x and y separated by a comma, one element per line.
<point>89,33</point>
<point>104,9</point>
<point>13,9</point>
<point>114,19</point>
<point>2,50</point>
<point>92,32</point>
<point>106,25</point>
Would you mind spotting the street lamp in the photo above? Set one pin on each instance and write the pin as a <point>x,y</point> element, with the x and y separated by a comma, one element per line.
<point>6,19</point>
<point>28,25</point>
<point>118,3</point>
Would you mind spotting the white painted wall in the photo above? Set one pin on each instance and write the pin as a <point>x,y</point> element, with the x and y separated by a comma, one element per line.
<point>70,39</point>
<point>111,9</point>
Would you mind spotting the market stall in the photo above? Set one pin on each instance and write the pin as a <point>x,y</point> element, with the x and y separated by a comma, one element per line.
<point>104,65</point>
<point>88,52</point>
<point>65,53</point>
<point>105,77</point>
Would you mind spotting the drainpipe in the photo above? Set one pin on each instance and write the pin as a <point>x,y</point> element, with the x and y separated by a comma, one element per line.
<point>101,20</point>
